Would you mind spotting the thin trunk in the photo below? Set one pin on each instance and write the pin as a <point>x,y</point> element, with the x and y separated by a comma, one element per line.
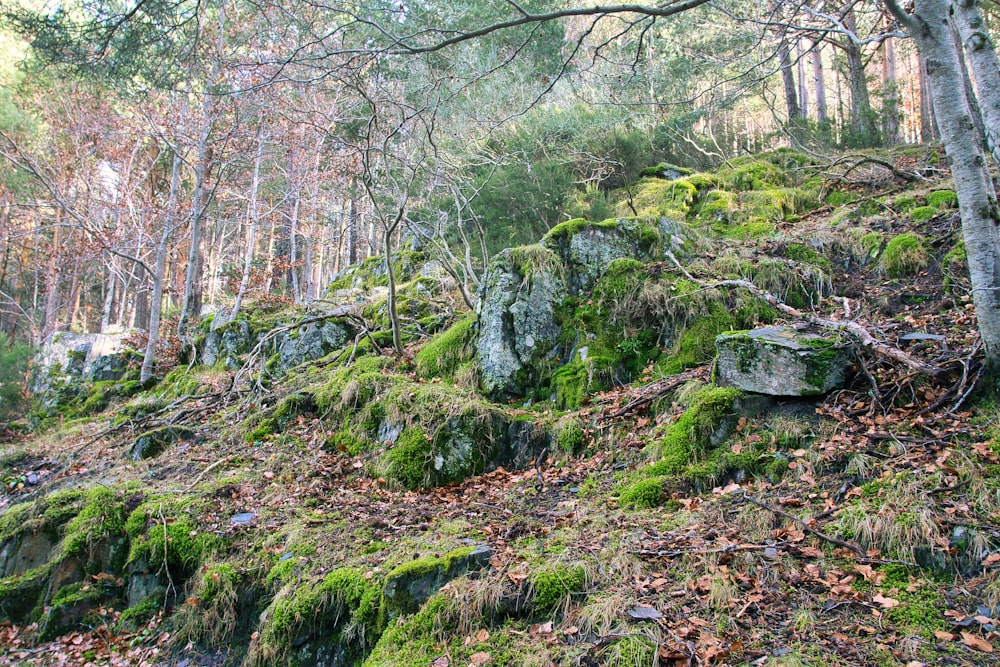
<point>390,302</point>
<point>254,215</point>
<point>819,84</point>
<point>293,231</point>
<point>52,282</point>
<point>109,295</point>
<point>271,250</point>
<point>890,94</point>
<point>74,295</point>
<point>800,65</point>
<point>159,272</point>
<point>352,235</point>
<point>191,303</point>
<point>932,31</point>
<point>928,125</point>
<point>981,56</point>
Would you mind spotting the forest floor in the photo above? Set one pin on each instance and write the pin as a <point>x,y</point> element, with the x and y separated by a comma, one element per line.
<point>743,571</point>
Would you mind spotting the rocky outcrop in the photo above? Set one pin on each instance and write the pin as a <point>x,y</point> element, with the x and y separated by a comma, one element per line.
<point>93,356</point>
<point>781,361</point>
<point>517,317</point>
<point>524,289</point>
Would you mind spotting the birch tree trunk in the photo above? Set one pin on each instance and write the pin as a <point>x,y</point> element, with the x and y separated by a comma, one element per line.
<point>254,215</point>
<point>930,27</point>
<point>982,58</point>
<point>159,272</point>
<point>819,83</point>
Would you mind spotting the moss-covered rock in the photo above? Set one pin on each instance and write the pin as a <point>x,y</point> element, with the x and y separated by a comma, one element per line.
<point>780,361</point>
<point>554,587</point>
<point>410,584</point>
<point>905,255</point>
<point>154,442</point>
<point>448,350</point>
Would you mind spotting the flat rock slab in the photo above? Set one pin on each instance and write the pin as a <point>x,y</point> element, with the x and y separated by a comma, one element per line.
<point>781,361</point>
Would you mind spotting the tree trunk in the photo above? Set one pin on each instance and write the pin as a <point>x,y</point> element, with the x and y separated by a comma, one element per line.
<point>890,94</point>
<point>930,27</point>
<point>191,303</point>
<point>159,273</point>
<point>254,215</point>
<point>928,125</point>
<point>52,282</point>
<point>390,302</point>
<point>982,58</point>
<point>862,119</point>
<point>800,64</point>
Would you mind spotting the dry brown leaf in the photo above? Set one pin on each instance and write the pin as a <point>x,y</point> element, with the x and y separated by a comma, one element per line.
<point>977,643</point>
<point>479,659</point>
<point>884,602</point>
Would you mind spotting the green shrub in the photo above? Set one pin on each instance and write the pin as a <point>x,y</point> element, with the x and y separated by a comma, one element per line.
<point>14,362</point>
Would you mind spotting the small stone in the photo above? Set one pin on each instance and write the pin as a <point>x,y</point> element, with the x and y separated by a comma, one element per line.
<point>771,553</point>
<point>243,519</point>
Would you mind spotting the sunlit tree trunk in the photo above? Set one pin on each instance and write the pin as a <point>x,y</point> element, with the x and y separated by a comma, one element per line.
<point>890,94</point>
<point>982,58</point>
<point>862,118</point>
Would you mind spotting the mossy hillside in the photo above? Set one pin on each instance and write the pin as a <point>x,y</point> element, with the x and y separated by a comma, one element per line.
<point>697,431</point>
<point>423,576</point>
<point>450,434</point>
<point>164,530</point>
<point>416,639</point>
<point>263,424</point>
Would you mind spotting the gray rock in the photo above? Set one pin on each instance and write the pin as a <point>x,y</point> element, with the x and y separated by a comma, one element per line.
<point>94,356</point>
<point>410,584</point>
<point>227,343</point>
<point>153,443</point>
<point>311,341</point>
<point>780,361</point>
<point>517,323</point>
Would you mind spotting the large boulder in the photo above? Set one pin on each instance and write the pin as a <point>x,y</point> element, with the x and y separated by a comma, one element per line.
<point>585,248</point>
<point>781,361</point>
<point>92,356</point>
<point>521,292</point>
<point>311,341</point>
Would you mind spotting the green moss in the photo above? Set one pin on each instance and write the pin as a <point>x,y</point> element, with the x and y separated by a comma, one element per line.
<point>22,593</point>
<point>178,382</point>
<point>630,651</point>
<point>535,259</point>
<point>138,615</point>
<point>569,435</point>
<point>574,382</point>
<point>162,529</point>
<point>448,350</point>
<point>643,494</point>
<point>697,344</point>
<point>414,640</point>
<point>101,518</point>
<point>904,204</point>
<point>905,255</point>
<point>839,198</point>
<point>654,197</point>
<point>753,174</point>
<point>691,435</point>
<point>922,213</point>
<point>554,586</point>
<point>717,206</point>
<point>800,253</point>
<point>663,169</point>
<point>942,199</point>
<point>343,602</point>
<point>409,459</point>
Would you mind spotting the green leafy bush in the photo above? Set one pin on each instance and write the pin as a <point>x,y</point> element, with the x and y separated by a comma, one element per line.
<point>15,359</point>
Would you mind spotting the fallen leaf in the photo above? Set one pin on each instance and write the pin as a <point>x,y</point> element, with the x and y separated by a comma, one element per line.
<point>478,659</point>
<point>482,636</point>
<point>977,643</point>
<point>884,602</point>
<point>443,661</point>
<point>945,636</point>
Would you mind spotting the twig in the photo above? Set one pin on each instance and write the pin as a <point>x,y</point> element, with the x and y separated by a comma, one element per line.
<point>205,472</point>
<point>806,527</point>
<point>166,566</point>
<point>654,391</point>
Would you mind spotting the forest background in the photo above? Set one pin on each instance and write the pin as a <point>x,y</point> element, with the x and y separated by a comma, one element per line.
<point>164,159</point>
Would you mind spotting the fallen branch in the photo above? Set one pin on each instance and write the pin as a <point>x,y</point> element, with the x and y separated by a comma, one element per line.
<point>853,329</point>
<point>655,390</point>
<point>850,546</point>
